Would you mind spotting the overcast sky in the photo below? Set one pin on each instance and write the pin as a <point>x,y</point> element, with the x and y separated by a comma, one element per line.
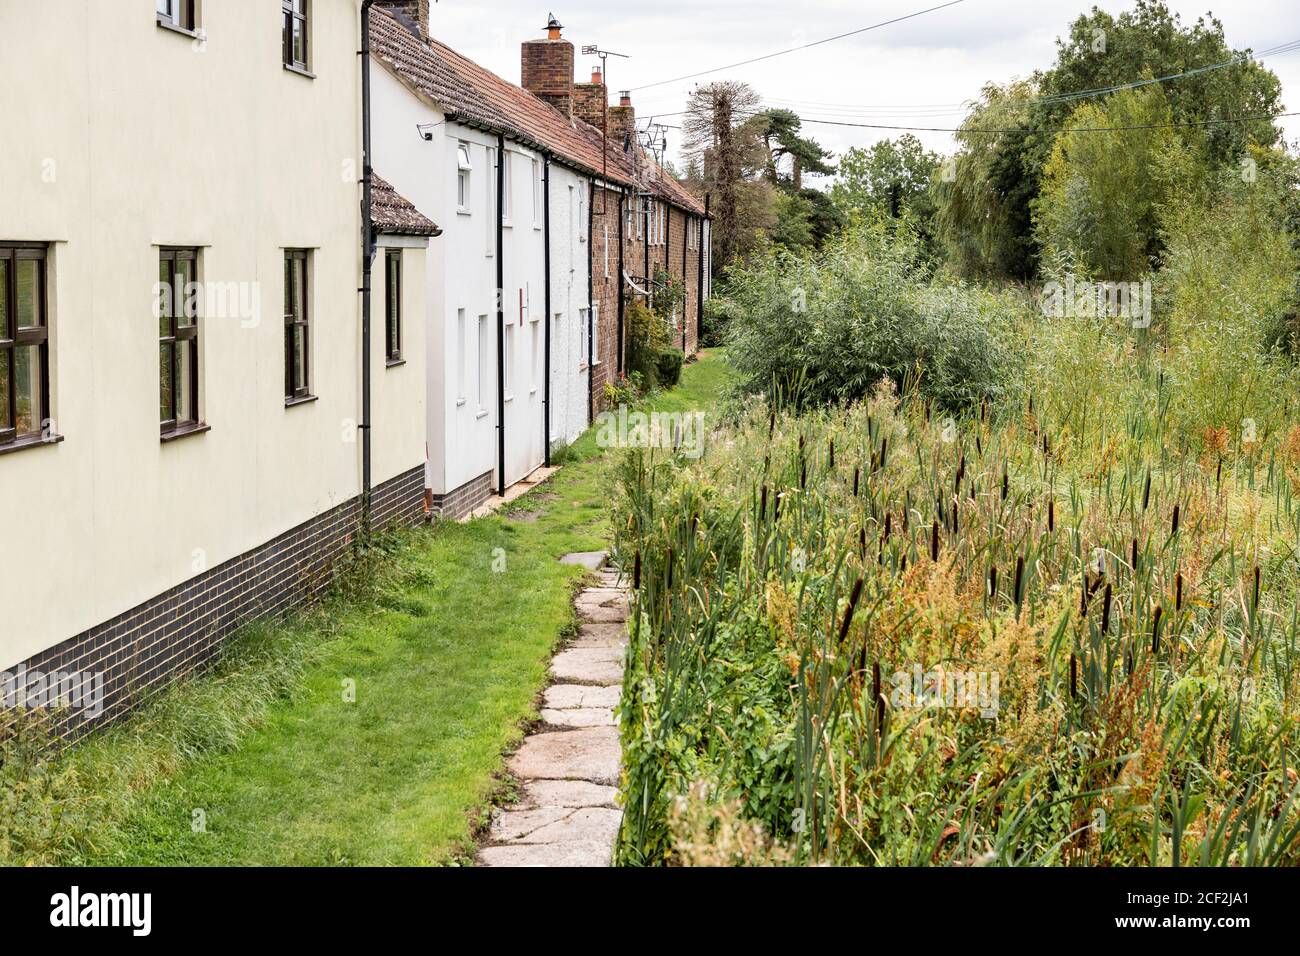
<point>915,73</point>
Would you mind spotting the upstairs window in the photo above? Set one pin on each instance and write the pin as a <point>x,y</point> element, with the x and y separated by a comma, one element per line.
<point>24,345</point>
<point>537,195</point>
<point>177,13</point>
<point>296,14</point>
<point>463,169</point>
<point>178,340</point>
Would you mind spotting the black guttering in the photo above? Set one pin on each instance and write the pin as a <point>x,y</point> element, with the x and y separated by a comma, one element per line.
<point>591,312</point>
<point>501,316</point>
<point>622,199</point>
<point>367,262</point>
<point>546,317</point>
<point>699,295</point>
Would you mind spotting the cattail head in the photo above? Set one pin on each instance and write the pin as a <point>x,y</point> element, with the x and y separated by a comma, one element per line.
<point>1051,514</point>
<point>1178,591</point>
<point>857,473</point>
<point>636,572</point>
<point>934,542</point>
<point>1174,529</point>
<point>1146,491</point>
<point>1105,610</point>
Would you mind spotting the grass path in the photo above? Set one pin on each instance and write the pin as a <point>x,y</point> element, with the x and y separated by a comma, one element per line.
<point>446,659</point>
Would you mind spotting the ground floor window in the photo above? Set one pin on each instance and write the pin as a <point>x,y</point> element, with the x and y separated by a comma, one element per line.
<point>297,327</point>
<point>178,339</point>
<point>393,302</point>
<point>24,344</point>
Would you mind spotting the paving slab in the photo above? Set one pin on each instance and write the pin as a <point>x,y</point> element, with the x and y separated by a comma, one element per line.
<point>589,665</point>
<point>579,696</point>
<point>601,634</point>
<point>599,614</point>
<point>565,793</point>
<point>590,853</point>
<point>579,717</point>
<point>518,825</point>
<point>590,753</point>
<point>591,560</point>
<point>596,824</point>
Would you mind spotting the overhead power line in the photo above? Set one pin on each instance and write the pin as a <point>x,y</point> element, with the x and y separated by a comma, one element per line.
<point>1063,129</point>
<point>796,49</point>
<point>949,109</point>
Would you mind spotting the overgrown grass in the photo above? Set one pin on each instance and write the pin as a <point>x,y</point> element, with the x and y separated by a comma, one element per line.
<point>1135,600</point>
<point>264,760</point>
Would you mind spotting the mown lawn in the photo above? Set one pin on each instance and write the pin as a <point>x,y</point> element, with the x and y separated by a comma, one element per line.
<point>446,657</point>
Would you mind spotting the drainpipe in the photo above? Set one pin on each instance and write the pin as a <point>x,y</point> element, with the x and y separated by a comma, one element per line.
<point>686,286</point>
<point>591,313</point>
<point>367,262</point>
<point>546,317</point>
<point>699,292</point>
<point>501,316</point>
<point>622,197</point>
<point>649,281</point>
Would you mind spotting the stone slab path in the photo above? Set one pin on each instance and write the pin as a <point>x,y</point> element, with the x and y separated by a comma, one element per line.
<point>568,767</point>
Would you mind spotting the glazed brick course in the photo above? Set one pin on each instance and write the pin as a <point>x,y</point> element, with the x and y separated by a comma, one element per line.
<point>182,630</point>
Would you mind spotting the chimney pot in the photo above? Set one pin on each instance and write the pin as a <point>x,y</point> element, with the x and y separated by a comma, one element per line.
<point>553,27</point>
<point>596,76</point>
<point>625,98</point>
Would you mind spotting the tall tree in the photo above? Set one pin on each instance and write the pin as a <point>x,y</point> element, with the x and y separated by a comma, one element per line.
<point>782,137</point>
<point>889,179</point>
<point>990,218</point>
<point>719,135</point>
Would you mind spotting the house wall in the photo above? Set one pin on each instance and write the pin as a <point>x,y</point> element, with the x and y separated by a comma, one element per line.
<point>570,264</point>
<point>606,282</point>
<point>250,160</point>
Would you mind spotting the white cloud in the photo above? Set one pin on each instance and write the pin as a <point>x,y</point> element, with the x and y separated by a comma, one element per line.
<point>939,58</point>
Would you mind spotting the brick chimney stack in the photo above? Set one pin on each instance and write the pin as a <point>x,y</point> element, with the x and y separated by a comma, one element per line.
<point>590,100</point>
<point>548,68</point>
<point>622,122</point>
<point>413,14</point>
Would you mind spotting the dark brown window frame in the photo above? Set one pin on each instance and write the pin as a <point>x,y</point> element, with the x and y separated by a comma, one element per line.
<point>11,339</point>
<point>393,305</point>
<point>292,16</point>
<point>181,336</point>
<point>294,393</point>
<point>186,19</point>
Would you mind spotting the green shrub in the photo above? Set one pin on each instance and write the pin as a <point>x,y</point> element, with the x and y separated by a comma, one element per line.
<point>668,367</point>
<point>829,326</point>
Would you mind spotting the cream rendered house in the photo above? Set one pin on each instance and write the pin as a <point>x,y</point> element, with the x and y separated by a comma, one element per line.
<point>176,464</point>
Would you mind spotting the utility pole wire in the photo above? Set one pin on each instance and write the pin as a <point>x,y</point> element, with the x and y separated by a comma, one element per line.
<point>796,49</point>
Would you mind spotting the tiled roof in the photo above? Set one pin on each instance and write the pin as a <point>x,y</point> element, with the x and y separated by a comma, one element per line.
<point>474,95</point>
<point>394,215</point>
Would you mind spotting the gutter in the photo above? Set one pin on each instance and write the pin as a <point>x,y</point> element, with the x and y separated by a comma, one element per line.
<point>546,317</point>
<point>367,263</point>
<point>622,271</point>
<point>591,312</point>
<point>699,320</point>
<point>501,316</point>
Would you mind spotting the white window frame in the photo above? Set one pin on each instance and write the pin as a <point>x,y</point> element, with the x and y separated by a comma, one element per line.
<point>537,194</point>
<point>484,353</point>
<point>491,202</point>
<point>508,376</point>
<point>595,334</point>
<point>462,347</point>
<point>508,205</point>
<point>464,179</point>
<point>585,350</point>
<point>582,215</point>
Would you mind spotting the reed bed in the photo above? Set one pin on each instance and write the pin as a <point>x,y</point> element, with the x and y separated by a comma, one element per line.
<point>1116,607</point>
